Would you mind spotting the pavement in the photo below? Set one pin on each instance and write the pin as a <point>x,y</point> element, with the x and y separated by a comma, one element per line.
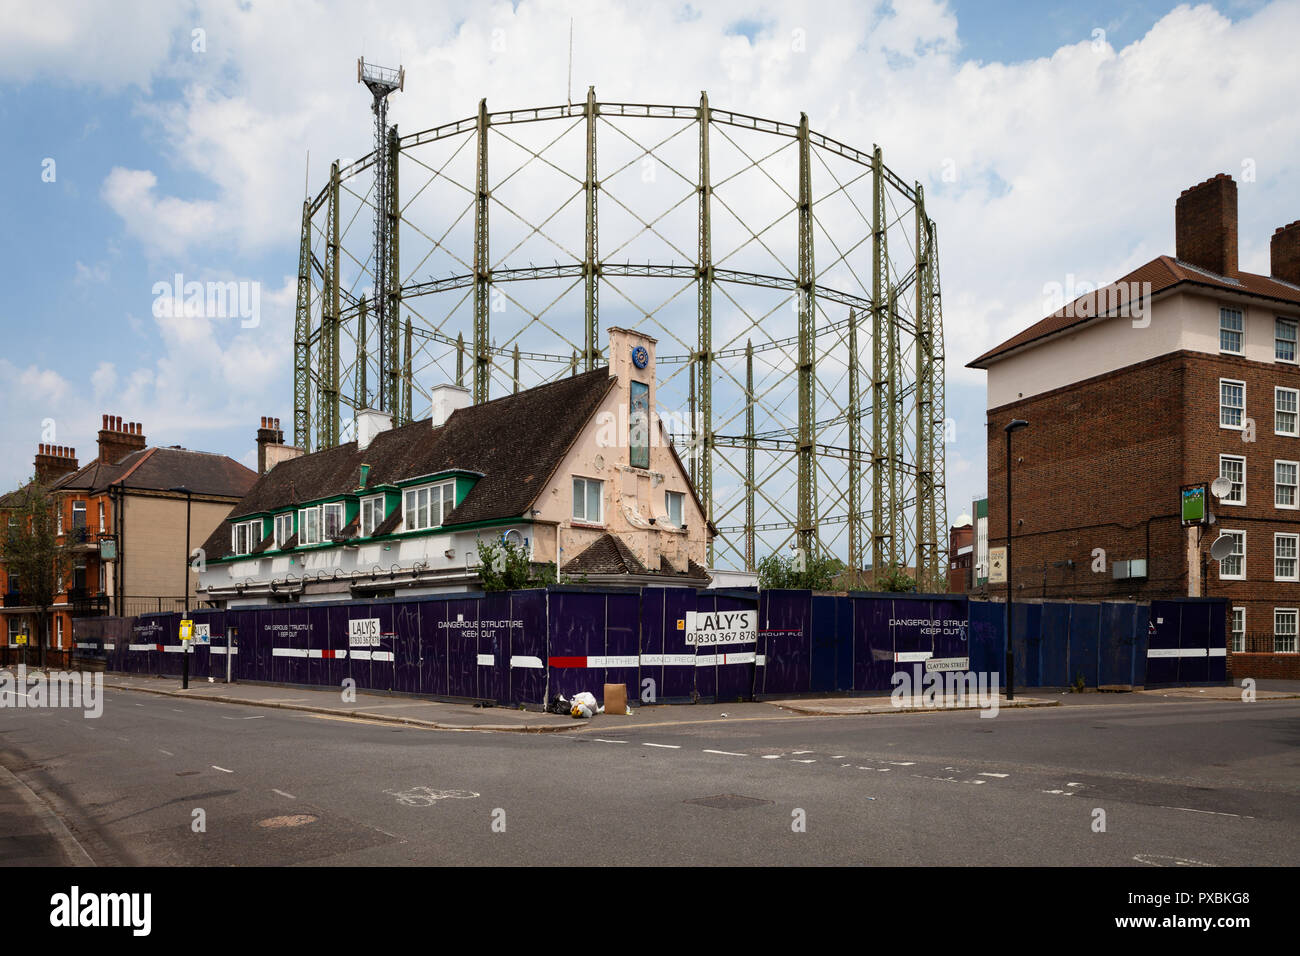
<point>442,715</point>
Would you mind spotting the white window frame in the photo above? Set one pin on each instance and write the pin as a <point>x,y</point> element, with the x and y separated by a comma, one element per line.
<point>283,529</point>
<point>441,492</point>
<point>1278,323</point>
<point>1294,614</point>
<point>328,508</point>
<point>1228,499</point>
<point>59,523</point>
<point>1238,630</point>
<point>101,517</point>
<point>1241,537</point>
<point>251,533</point>
<point>1224,312</point>
<point>309,521</point>
<point>374,505</point>
<point>681,507</point>
<point>58,629</point>
<point>1239,409</point>
<point>1294,485</point>
<point>1294,411</point>
<point>585,518</point>
<point>1294,557</point>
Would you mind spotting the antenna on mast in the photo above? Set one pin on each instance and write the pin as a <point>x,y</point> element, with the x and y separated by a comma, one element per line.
<point>570,92</point>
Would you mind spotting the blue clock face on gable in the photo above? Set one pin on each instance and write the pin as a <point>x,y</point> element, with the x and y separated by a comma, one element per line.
<point>640,356</point>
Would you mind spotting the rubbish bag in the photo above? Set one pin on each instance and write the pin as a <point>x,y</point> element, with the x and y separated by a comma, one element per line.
<point>583,705</point>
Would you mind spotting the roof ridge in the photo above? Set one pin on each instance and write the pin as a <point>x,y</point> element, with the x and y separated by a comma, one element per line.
<point>148,453</point>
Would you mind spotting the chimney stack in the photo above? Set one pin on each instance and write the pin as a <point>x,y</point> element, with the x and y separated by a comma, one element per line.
<point>117,440</point>
<point>271,449</point>
<point>1285,253</point>
<point>1205,225</point>
<point>53,462</point>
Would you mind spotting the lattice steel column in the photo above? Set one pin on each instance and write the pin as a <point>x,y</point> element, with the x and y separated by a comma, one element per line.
<point>590,265</point>
<point>406,375</point>
<point>937,373</point>
<point>879,342</point>
<point>926,545</point>
<point>302,339</point>
<point>327,418</point>
<point>855,453</point>
<point>704,281</point>
<point>392,286</point>
<point>897,555</point>
<point>482,264</point>
<point>362,399</point>
<point>750,559</point>
<point>807,517</point>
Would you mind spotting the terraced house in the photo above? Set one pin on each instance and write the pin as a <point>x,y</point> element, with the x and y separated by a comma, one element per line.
<point>121,523</point>
<point>579,472</point>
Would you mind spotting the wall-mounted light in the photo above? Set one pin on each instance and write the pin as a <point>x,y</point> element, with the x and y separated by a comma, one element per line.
<point>449,553</point>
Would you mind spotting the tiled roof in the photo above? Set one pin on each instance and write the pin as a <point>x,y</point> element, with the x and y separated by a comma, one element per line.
<point>609,555</point>
<point>161,469</point>
<point>1163,273</point>
<point>515,443</point>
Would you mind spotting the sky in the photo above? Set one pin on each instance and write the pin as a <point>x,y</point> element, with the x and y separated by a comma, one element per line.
<point>146,140</point>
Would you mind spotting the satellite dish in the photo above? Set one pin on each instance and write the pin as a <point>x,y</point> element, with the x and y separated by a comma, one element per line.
<point>1223,546</point>
<point>1220,486</point>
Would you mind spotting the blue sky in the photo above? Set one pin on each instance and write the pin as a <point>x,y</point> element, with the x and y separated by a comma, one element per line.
<point>169,160</point>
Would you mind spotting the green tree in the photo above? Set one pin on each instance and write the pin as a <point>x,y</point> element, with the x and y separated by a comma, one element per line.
<point>894,579</point>
<point>30,551</point>
<point>504,566</point>
<point>817,574</point>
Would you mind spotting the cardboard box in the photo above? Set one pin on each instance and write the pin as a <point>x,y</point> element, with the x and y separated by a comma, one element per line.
<point>616,699</point>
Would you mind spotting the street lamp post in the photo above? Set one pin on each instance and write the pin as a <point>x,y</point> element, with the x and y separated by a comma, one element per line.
<point>185,649</point>
<point>1014,426</point>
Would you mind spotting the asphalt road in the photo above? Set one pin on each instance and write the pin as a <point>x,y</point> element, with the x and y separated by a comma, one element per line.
<point>1180,783</point>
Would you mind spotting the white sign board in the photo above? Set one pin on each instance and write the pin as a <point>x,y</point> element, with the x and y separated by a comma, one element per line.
<point>948,664</point>
<point>715,628</point>
<point>997,565</point>
<point>202,633</point>
<point>363,632</point>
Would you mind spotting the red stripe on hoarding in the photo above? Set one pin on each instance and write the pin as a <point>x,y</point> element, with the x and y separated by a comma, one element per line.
<point>327,653</point>
<point>567,661</point>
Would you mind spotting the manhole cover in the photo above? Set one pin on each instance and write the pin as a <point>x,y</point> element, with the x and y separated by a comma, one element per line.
<point>729,801</point>
<point>292,820</point>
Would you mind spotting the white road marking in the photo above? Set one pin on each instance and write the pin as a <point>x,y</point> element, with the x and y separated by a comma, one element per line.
<point>805,761</point>
<point>1064,793</point>
<point>985,773</point>
<point>1216,813</point>
<point>1074,785</point>
<point>222,769</point>
<point>725,753</point>
<point>167,752</point>
<point>257,717</point>
<point>604,740</point>
<point>664,746</point>
<point>283,794</point>
<point>771,756</point>
<point>837,756</point>
<point>798,752</point>
<point>903,763</point>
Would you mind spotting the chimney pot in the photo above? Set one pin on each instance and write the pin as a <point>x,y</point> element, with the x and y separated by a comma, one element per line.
<point>105,424</point>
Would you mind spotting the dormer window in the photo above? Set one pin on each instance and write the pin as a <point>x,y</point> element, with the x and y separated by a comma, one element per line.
<point>283,529</point>
<point>428,506</point>
<point>372,514</point>
<point>245,536</point>
<point>309,525</point>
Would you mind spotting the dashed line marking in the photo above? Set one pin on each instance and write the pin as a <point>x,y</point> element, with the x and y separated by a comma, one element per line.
<point>903,763</point>
<point>167,752</point>
<point>837,756</point>
<point>725,753</point>
<point>798,752</point>
<point>664,746</point>
<point>804,761</point>
<point>222,769</point>
<point>283,794</point>
<point>606,740</point>
<point>1000,776</point>
<point>771,756</point>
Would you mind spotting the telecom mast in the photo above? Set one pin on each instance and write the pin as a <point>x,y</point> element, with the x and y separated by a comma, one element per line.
<point>382,81</point>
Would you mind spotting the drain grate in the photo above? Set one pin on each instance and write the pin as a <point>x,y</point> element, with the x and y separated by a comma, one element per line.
<point>729,801</point>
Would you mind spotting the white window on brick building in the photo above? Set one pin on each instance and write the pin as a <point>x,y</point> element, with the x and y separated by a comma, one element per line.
<point>1238,630</point>
<point>1284,629</point>
<point>1233,467</point>
<point>1285,549</point>
<point>1232,331</point>
<point>1233,567</point>
<point>1232,403</point>
<point>1284,340</point>
<point>1286,411</point>
<point>1284,483</point>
